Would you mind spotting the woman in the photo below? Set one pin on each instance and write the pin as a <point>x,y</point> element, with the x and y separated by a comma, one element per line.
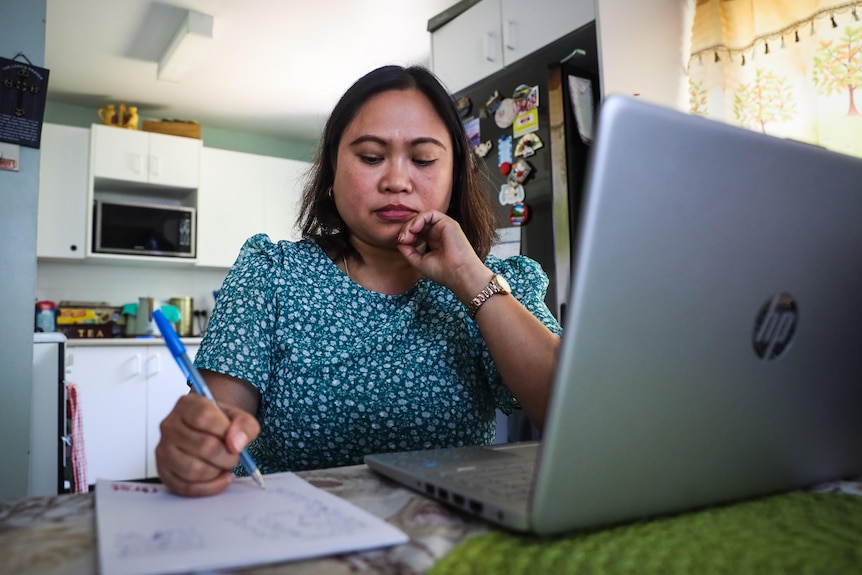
<point>388,327</point>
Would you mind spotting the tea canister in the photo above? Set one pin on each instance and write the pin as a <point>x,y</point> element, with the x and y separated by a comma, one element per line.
<point>45,316</point>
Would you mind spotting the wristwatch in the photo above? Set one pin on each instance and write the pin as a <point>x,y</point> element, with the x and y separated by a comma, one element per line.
<point>498,284</point>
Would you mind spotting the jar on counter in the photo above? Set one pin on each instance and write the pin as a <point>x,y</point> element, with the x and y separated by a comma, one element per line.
<point>45,316</point>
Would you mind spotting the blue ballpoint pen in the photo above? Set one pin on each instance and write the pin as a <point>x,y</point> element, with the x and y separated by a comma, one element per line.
<point>178,350</point>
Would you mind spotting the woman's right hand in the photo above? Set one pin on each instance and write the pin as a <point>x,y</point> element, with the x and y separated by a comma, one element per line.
<point>200,445</point>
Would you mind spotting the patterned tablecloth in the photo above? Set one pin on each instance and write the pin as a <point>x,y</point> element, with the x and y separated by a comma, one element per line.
<point>57,535</point>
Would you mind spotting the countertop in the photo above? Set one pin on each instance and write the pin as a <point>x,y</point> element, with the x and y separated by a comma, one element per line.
<point>126,341</point>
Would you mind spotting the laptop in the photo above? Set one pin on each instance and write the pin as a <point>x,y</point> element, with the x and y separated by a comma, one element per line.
<point>713,341</point>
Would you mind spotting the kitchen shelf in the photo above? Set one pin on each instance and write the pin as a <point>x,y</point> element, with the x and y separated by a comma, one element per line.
<point>142,260</point>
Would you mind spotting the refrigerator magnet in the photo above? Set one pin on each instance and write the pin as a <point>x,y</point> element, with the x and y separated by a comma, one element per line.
<point>504,154</point>
<point>526,98</point>
<point>527,145</point>
<point>526,123</point>
<point>493,102</point>
<point>464,105</point>
<point>521,170</point>
<point>482,149</point>
<point>519,214</point>
<point>471,128</point>
<point>511,194</point>
<point>505,114</point>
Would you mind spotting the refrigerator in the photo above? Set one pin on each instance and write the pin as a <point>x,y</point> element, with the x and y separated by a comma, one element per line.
<point>49,466</point>
<point>564,79</point>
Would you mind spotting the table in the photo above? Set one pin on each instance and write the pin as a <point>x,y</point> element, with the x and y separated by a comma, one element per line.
<point>56,535</point>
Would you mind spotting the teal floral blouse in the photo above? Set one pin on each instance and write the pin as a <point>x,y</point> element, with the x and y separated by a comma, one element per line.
<point>344,371</point>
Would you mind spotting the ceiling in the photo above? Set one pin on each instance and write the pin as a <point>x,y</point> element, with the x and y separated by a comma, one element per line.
<point>275,68</point>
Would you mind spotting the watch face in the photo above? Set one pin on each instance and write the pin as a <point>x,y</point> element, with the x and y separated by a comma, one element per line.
<point>504,285</point>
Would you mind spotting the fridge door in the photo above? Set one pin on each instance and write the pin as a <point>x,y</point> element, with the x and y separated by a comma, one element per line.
<point>553,188</point>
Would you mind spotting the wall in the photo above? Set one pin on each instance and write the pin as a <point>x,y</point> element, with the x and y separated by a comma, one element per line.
<point>121,284</point>
<point>22,29</point>
<point>83,117</point>
<point>643,48</point>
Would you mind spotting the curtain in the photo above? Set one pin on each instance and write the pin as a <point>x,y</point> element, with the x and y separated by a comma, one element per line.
<point>789,68</point>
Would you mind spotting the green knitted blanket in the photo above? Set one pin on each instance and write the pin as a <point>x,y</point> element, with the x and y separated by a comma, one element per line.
<point>788,534</point>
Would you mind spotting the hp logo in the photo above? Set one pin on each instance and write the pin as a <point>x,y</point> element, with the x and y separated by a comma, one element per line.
<point>775,326</point>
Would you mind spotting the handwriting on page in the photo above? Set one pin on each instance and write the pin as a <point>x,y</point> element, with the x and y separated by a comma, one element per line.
<point>147,530</point>
<point>305,519</point>
<point>133,544</point>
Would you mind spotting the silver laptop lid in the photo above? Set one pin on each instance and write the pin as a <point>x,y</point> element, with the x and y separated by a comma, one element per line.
<point>712,347</point>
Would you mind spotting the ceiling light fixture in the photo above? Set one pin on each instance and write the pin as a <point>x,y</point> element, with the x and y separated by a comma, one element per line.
<point>187,47</point>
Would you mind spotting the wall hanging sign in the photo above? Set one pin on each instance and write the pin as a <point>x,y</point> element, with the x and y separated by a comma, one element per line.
<point>23,89</point>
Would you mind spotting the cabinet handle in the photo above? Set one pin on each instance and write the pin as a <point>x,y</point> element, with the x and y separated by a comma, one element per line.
<point>510,35</point>
<point>490,47</point>
<point>137,163</point>
<point>135,365</point>
<point>155,165</point>
<point>153,360</point>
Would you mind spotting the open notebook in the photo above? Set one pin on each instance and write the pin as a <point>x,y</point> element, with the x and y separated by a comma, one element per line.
<point>712,348</point>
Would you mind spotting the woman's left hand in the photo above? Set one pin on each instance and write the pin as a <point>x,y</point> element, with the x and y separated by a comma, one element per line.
<point>434,244</point>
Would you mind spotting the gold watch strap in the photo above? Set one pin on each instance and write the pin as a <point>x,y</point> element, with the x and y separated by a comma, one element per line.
<point>494,287</point>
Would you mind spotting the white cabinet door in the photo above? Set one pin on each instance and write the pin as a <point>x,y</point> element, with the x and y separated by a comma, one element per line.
<point>283,194</point>
<point>63,184</point>
<point>112,391</point>
<point>174,161</point>
<point>468,48</point>
<point>145,158</point>
<point>526,28</point>
<point>230,204</point>
<point>165,385</point>
<point>493,34</point>
<point>120,154</point>
<point>242,195</point>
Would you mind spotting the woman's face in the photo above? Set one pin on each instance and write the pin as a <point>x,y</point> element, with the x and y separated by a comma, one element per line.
<point>394,160</point>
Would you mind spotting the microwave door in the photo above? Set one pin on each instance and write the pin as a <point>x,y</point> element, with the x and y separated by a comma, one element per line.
<point>144,229</point>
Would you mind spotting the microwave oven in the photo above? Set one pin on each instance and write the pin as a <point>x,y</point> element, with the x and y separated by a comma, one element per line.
<point>143,229</point>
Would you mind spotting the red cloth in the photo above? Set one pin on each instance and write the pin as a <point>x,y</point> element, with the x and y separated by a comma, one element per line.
<point>79,455</point>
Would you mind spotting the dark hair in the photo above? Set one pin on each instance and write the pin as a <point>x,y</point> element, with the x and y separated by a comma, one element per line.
<point>470,206</point>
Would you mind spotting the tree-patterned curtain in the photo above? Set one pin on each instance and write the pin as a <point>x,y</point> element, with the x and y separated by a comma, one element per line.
<point>789,68</point>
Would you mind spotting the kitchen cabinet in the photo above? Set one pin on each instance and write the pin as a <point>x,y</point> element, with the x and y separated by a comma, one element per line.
<point>241,195</point>
<point>63,183</point>
<point>145,157</point>
<point>282,197</point>
<point>124,393</point>
<point>493,34</point>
